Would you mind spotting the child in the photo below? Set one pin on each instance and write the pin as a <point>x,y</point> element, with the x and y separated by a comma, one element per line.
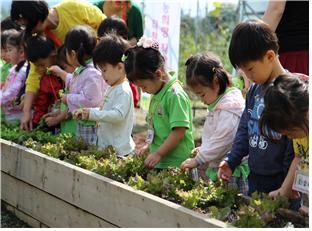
<point>286,110</point>
<point>6,64</point>
<point>86,86</point>
<point>113,25</point>
<point>68,125</point>
<point>208,79</point>
<point>16,78</point>
<point>115,117</point>
<point>42,52</point>
<point>119,27</point>
<point>253,49</point>
<point>169,120</point>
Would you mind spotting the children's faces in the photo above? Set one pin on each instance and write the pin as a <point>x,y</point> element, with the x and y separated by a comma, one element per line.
<point>43,64</point>
<point>259,71</point>
<point>14,54</point>
<point>112,74</point>
<point>206,94</point>
<point>151,86</point>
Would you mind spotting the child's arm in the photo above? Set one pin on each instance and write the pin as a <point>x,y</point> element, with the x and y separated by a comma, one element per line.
<point>175,136</point>
<point>219,143</point>
<point>13,89</point>
<point>238,151</point>
<point>56,70</point>
<point>286,188</point>
<point>91,93</point>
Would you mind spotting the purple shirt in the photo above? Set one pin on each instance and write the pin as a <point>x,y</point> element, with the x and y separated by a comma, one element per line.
<point>86,89</point>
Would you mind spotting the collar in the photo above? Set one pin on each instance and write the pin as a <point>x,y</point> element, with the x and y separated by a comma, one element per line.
<point>214,103</point>
<point>165,88</point>
<point>79,69</point>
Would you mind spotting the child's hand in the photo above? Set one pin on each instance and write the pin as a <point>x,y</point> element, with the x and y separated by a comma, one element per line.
<point>195,152</point>
<point>189,164</point>
<point>56,70</point>
<point>52,121</point>
<point>152,160</point>
<point>304,210</point>
<point>81,114</point>
<point>224,171</point>
<point>143,150</point>
<point>51,114</point>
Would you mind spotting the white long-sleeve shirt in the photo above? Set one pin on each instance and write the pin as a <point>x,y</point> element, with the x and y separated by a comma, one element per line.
<point>116,118</point>
<point>220,128</point>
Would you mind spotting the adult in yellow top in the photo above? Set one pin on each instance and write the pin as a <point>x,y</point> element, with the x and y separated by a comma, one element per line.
<point>55,23</point>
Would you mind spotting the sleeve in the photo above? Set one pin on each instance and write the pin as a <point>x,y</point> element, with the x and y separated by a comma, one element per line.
<point>289,154</point>
<point>179,109</point>
<point>116,114</point>
<point>240,146</point>
<point>89,96</point>
<point>14,87</point>
<point>221,140</point>
<point>92,16</point>
<point>33,79</point>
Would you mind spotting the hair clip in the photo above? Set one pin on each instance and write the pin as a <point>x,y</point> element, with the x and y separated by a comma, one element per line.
<point>148,43</point>
<point>124,58</point>
<point>34,34</point>
<point>20,16</point>
<point>213,69</point>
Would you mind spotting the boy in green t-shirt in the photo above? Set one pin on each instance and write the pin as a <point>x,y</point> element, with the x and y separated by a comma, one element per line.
<point>169,137</point>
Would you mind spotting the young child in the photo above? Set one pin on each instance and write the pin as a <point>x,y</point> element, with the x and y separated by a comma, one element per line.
<point>42,52</point>
<point>86,86</point>
<point>115,118</point>
<point>286,110</point>
<point>6,64</point>
<point>208,79</point>
<point>118,26</point>
<point>169,138</point>
<point>67,125</point>
<point>253,49</point>
<point>16,78</point>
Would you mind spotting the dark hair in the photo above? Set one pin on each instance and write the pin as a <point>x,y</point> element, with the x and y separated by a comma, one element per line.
<point>203,68</point>
<point>286,104</point>
<point>5,35</point>
<point>250,41</point>
<point>109,50</point>
<point>142,63</point>
<point>61,55</point>
<point>38,47</point>
<point>82,40</point>
<point>113,24</point>
<point>33,11</point>
<point>16,39</point>
<point>8,23</point>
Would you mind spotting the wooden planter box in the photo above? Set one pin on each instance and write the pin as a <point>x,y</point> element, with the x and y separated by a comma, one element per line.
<point>47,192</point>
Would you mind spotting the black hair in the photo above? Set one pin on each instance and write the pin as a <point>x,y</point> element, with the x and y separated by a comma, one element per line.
<point>7,23</point>
<point>203,68</point>
<point>5,35</point>
<point>32,11</point>
<point>82,40</point>
<point>16,39</point>
<point>38,47</point>
<point>250,41</point>
<point>142,63</point>
<point>286,104</point>
<point>61,55</point>
<point>110,50</point>
<point>113,24</point>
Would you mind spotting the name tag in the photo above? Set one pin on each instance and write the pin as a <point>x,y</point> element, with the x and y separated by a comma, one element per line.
<point>301,182</point>
<point>150,136</point>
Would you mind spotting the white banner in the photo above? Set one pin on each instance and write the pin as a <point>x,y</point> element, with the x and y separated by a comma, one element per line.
<point>162,23</point>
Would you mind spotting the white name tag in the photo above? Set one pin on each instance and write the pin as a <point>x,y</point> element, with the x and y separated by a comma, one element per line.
<point>301,182</point>
<point>150,136</point>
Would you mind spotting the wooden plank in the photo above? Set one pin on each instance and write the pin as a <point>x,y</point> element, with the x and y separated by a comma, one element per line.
<point>24,217</point>
<point>47,209</point>
<point>112,201</point>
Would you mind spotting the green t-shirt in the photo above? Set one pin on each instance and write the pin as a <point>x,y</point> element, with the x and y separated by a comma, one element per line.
<point>5,69</point>
<point>171,108</point>
<point>134,19</point>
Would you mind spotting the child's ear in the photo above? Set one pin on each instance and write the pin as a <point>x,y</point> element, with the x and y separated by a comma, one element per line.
<point>270,54</point>
<point>120,66</point>
<point>158,73</point>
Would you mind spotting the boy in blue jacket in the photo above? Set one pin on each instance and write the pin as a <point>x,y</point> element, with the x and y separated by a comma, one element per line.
<point>254,49</point>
